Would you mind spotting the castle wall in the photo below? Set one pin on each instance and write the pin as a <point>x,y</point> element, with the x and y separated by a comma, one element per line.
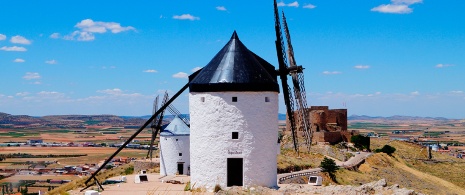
<point>331,137</point>
<point>324,119</point>
<point>213,119</point>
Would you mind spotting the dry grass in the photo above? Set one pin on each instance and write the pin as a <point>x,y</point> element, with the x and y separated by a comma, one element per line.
<point>79,183</point>
<point>289,161</point>
<point>94,154</point>
<point>404,168</point>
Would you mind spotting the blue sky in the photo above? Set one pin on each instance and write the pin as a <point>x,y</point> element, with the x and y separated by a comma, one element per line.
<point>373,57</point>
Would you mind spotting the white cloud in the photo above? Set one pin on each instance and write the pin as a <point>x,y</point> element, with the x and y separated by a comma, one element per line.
<point>181,75</point>
<point>221,8</point>
<point>51,62</point>
<point>309,6</point>
<point>361,66</point>
<point>80,36</point>
<point>151,71</point>
<point>47,93</point>
<point>293,4</point>
<point>31,75</point>
<point>114,91</point>
<point>457,92</point>
<point>13,48</point>
<point>20,40</point>
<point>55,35</point>
<point>396,7</point>
<point>415,93</point>
<point>195,69</point>
<point>88,25</point>
<point>2,37</point>
<point>22,94</point>
<point>19,60</point>
<point>392,8</point>
<point>37,83</point>
<point>185,17</point>
<point>443,65</point>
<point>331,72</point>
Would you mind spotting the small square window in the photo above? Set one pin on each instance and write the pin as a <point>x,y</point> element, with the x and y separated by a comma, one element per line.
<point>202,99</point>
<point>176,139</point>
<point>180,154</point>
<point>267,99</point>
<point>234,99</point>
<point>235,135</point>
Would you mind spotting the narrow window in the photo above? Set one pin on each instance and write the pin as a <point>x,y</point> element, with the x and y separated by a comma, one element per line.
<point>234,99</point>
<point>202,99</point>
<point>235,135</point>
<point>267,99</point>
<point>180,154</point>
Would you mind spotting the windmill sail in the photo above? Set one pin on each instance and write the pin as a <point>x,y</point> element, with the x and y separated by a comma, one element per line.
<point>302,119</point>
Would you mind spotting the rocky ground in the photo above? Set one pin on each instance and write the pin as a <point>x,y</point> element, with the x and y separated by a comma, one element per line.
<point>376,187</point>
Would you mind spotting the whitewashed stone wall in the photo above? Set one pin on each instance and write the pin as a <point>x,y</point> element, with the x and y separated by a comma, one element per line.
<point>214,117</point>
<point>169,154</point>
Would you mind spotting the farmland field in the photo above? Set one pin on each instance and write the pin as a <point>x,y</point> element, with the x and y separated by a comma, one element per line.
<point>69,135</point>
<point>94,154</point>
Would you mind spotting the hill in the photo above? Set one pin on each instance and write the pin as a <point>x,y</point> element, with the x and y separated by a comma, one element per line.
<point>408,168</point>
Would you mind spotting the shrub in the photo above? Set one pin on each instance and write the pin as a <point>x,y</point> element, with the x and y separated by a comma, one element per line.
<point>129,170</point>
<point>188,186</point>
<point>361,142</point>
<point>329,166</point>
<point>217,188</point>
<point>388,149</point>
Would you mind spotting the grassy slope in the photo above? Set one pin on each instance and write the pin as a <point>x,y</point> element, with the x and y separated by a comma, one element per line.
<point>406,169</point>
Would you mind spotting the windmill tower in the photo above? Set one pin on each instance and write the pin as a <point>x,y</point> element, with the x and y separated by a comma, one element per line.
<point>233,104</point>
<point>174,148</point>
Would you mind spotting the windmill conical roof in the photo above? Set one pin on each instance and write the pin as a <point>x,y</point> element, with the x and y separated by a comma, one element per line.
<point>235,68</point>
<point>176,127</point>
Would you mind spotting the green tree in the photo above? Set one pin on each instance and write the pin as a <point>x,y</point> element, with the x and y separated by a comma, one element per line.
<point>24,190</point>
<point>328,165</point>
<point>361,142</point>
<point>386,149</point>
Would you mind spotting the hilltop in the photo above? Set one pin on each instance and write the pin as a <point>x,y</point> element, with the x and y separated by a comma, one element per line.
<point>67,121</point>
<point>407,167</point>
<point>81,121</point>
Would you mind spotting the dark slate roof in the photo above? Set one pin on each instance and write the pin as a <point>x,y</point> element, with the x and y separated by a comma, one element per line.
<point>235,68</point>
<point>176,127</point>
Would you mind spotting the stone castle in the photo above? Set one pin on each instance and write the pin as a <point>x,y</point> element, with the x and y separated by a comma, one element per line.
<point>328,125</point>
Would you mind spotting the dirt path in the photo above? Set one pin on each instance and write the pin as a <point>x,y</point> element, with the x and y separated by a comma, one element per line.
<point>424,176</point>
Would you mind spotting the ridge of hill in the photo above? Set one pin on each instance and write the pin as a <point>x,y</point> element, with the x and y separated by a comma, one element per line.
<point>81,121</point>
<point>397,117</point>
<point>407,167</point>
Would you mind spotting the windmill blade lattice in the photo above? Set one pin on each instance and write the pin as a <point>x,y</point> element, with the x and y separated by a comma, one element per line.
<point>302,119</point>
<point>156,124</point>
<point>283,72</point>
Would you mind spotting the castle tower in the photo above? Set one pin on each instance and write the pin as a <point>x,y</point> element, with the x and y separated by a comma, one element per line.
<point>233,104</point>
<point>174,148</point>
